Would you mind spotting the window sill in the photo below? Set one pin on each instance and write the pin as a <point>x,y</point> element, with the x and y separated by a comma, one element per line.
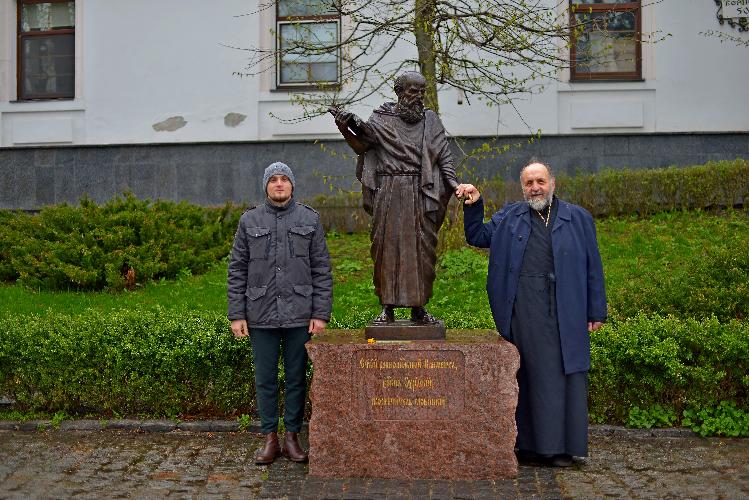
<point>604,85</point>
<point>42,105</point>
<point>306,88</point>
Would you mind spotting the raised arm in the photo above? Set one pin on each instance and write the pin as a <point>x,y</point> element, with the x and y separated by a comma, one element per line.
<point>351,128</point>
<point>478,233</point>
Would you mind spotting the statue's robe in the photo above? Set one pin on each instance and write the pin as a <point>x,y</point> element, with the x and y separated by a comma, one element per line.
<point>407,177</point>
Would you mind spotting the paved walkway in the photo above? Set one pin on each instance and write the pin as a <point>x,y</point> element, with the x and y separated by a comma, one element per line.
<point>184,464</point>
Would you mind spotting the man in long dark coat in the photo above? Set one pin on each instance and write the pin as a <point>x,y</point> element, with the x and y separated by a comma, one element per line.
<point>407,175</point>
<point>546,291</point>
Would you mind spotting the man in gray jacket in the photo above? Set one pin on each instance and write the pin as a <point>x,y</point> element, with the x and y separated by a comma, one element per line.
<point>280,291</point>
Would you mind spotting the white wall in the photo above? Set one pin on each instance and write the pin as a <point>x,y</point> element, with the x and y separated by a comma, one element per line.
<point>702,84</point>
<point>141,63</point>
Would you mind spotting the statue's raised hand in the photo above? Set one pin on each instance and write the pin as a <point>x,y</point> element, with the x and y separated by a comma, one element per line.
<point>341,116</point>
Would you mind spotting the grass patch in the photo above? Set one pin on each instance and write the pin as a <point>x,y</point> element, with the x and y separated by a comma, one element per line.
<point>686,264</point>
<point>24,416</point>
<point>206,292</point>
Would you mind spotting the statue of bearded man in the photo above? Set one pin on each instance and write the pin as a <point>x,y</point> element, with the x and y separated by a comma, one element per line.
<point>407,175</point>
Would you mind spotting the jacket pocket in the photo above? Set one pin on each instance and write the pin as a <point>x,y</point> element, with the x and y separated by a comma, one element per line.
<point>255,292</point>
<point>257,305</point>
<point>300,238</point>
<point>301,301</point>
<point>258,241</point>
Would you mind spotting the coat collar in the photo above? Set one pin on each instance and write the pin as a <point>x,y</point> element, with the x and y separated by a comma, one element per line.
<point>284,210</point>
<point>564,214</point>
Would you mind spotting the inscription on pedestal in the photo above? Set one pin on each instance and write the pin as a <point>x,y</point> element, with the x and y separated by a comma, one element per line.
<point>413,410</point>
<point>408,385</point>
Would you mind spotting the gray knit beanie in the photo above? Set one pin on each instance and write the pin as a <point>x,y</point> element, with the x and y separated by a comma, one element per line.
<point>277,168</point>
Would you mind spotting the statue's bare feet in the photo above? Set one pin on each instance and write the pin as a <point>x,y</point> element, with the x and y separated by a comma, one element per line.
<point>386,316</point>
<point>421,316</point>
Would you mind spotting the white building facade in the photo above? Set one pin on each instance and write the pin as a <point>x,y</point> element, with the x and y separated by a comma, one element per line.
<point>99,96</point>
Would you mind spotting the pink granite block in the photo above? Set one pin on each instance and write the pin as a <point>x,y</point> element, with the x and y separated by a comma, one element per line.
<point>414,409</point>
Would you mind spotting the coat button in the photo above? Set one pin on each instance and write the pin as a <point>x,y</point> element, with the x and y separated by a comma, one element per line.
<point>278,269</point>
<point>520,238</point>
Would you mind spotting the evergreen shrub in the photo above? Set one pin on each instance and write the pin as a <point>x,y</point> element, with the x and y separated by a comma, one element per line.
<point>716,184</point>
<point>112,246</point>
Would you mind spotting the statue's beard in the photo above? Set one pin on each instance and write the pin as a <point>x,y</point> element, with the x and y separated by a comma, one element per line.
<point>410,112</point>
<point>540,202</point>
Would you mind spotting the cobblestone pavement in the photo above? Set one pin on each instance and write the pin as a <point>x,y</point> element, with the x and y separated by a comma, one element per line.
<point>179,464</point>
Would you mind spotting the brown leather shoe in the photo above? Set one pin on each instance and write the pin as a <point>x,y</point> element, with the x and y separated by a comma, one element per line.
<point>270,451</point>
<point>291,448</point>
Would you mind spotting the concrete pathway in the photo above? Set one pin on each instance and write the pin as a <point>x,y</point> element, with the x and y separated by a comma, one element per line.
<point>187,464</point>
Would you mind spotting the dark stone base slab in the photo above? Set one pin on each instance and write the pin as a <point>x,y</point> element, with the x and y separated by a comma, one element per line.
<point>403,329</point>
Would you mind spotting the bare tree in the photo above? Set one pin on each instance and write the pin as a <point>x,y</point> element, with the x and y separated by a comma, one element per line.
<point>493,50</point>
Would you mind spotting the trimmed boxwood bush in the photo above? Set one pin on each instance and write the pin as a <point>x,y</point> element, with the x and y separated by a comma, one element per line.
<point>680,364</point>
<point>716,184</point>
<point>166,362</point>
<point>154,362</point>
<point>640,191</point>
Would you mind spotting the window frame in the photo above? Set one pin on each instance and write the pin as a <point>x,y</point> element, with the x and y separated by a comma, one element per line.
<point>21,36</point>
<point>317,18</point>
<point>617,76</point>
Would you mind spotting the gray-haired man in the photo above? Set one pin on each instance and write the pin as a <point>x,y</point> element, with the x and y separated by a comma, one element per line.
<point>280,290</point>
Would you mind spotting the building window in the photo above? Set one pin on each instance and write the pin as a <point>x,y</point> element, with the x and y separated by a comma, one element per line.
<point>605,40</point>
<point>46,49</point>
<point>308,34</point>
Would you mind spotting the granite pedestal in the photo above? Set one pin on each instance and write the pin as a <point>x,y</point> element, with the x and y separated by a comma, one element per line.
<point>413,409</point>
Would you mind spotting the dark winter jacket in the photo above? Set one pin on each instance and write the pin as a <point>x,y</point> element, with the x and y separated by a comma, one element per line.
<point>279,273</point>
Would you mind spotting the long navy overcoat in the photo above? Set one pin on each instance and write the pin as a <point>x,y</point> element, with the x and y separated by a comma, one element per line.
<point>580,289</point>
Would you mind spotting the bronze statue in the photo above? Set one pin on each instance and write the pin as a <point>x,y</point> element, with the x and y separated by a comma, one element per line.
<point>407,176</point>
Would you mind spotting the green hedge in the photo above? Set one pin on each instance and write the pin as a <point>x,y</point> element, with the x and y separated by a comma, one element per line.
<point>641,191</point>
<point>676,364</point>
<point>112,246</point>
<point>170,363</point>
<point>604,193</point>
<point>126,363</point>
